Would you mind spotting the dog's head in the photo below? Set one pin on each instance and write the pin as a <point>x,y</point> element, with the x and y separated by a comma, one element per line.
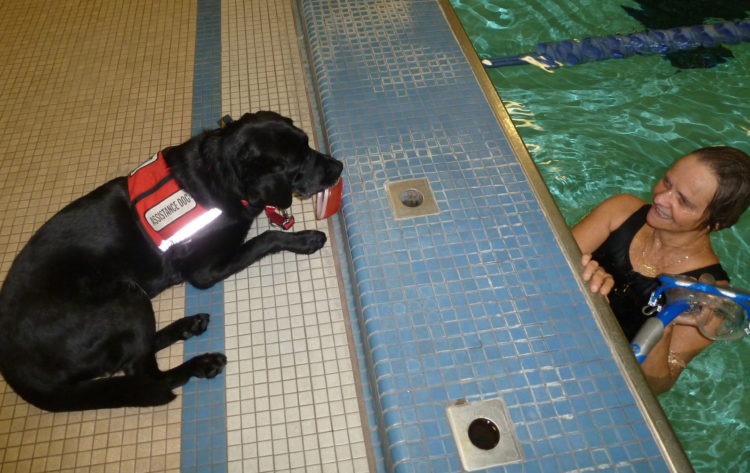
<point>267,159</point>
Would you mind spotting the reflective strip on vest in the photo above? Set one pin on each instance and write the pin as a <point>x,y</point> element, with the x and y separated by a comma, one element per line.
<point>167,213</point>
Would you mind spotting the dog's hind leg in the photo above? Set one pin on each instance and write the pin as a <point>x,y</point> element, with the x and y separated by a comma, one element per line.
<point>181,330</point>
<point>147,386</point>
<point>207,365</point>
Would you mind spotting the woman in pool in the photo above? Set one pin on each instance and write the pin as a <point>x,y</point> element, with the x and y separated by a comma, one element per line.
<point>626,243</point>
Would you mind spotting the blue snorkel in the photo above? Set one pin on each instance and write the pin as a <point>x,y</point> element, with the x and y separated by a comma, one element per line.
<point>681,294</point>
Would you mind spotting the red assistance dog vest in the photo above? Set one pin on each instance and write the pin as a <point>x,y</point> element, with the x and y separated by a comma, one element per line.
<point>166,212</point>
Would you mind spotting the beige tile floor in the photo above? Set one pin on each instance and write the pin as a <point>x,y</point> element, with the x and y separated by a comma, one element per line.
<point>90,89</point>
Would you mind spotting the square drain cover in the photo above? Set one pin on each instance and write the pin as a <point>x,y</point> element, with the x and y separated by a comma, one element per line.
<point>411,198</point>
<point>483,433</point>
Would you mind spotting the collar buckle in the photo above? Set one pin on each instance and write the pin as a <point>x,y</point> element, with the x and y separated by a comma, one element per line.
<point>281,218</point>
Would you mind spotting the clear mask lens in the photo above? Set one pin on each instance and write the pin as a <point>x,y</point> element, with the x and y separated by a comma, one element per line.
<point>717,318</point>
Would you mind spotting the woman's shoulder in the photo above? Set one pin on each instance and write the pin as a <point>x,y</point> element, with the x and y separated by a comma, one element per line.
<point>624,202</point>
<point>619,207</point>
<point>594,229</point>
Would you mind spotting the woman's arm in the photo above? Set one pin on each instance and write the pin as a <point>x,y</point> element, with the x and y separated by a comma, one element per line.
<point>594,229</point>
<point>665,362</point>
<point>682,341</point>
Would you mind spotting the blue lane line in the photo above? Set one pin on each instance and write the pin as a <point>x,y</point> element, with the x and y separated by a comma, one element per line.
<point>207,73</point>
<point>204,437</point>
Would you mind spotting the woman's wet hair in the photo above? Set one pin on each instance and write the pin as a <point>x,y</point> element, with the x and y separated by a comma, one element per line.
<point>732,169</point>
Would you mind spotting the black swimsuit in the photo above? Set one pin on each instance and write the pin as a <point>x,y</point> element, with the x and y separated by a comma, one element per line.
<point>632,289</point>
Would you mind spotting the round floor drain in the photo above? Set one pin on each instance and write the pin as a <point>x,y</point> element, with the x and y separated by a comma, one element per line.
<point>411,198</point>
<point>484,434</point>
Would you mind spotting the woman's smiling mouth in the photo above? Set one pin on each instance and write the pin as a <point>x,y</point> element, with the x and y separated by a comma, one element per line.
<point>661,213</point>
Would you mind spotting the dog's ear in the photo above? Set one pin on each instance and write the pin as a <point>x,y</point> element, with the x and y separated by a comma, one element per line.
<point>254,150</point>
<point>263,178</point>
<point>272,189</point>
<point>212,152</point>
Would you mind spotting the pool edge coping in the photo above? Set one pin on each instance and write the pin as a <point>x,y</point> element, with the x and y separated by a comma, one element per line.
<point>647,402</point>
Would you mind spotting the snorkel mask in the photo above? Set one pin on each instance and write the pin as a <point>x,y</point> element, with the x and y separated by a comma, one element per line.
<point>719,312</point>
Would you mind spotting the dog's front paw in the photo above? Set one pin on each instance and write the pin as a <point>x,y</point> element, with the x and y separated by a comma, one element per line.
<point>208,365</point>
<point>309,241</point>
<point>194,325</point>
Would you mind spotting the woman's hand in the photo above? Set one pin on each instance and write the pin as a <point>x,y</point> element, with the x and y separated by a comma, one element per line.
<point>706,316</point>
<point>600,281</point>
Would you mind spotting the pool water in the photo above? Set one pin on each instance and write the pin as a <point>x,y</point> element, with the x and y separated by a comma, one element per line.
<point>602,128</point>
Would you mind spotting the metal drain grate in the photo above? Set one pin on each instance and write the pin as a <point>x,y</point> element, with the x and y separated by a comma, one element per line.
<point>411,198</point>
<point>483,433</point>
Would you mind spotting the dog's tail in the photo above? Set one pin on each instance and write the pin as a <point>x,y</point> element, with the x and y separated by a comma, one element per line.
<point>103,393</point>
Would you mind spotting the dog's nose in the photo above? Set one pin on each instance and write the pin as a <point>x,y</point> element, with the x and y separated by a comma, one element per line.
<point>338,166</point>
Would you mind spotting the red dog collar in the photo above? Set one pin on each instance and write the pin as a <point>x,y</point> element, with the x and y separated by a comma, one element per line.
<point>167,213</point>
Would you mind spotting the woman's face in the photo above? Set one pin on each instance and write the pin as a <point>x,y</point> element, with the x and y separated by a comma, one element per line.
<point>682,196</point>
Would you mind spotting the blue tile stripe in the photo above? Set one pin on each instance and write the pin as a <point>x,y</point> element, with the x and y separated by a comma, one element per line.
<point>204,437</point>
<point>207,72</point>
<point>478,301</point>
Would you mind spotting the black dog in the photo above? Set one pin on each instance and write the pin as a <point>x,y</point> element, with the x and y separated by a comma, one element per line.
<point>77,330</point>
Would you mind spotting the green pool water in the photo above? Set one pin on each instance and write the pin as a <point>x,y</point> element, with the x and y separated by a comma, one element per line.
<point>602,128</point>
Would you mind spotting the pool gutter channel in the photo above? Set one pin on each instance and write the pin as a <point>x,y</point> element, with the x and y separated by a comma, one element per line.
<point>340,246</point>
<point>656,419</point>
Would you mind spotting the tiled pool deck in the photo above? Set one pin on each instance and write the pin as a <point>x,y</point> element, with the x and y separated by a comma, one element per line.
<point>478,301</point>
